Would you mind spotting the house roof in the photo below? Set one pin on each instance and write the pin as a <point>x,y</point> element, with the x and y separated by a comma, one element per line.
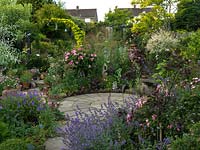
<point>84,13</point>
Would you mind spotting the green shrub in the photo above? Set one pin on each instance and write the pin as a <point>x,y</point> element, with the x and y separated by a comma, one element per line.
<point>26,76</point>
<point>187,142</point>
<point>39,62</point>
<point>20,108</point>
<point>195,130</point>
<point>3,131</point>
<point>14,144</point>
<point>186,109</point>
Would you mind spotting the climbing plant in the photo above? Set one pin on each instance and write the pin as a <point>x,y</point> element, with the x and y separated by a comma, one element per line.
<point>78,33</point>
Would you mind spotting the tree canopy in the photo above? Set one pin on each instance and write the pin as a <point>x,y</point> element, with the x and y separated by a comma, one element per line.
<point>188,15</point>
<point>118,17</point>
<point>36,4</point>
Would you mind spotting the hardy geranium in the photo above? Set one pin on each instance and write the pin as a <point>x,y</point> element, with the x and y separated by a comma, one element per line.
<point>80,60</point>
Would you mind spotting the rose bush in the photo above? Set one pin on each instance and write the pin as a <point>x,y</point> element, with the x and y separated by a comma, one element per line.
<point>82,61</point>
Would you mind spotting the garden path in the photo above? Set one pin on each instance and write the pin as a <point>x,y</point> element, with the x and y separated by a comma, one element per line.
<point>68,105</point>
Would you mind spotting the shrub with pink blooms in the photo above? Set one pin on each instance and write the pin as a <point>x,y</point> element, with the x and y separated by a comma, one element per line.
<point>80,60</point>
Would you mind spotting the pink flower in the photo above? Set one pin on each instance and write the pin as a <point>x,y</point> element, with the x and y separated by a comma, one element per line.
<point>154,116</point>
<point>76,62</point>
<point>169,126</point>
<point>67,54</point>
<point>140,102</point>
<point>66,57</point>
<point>79,49</point>
<point>71,62</point>
<point>91,59</point>
<point>80,57</point>
<point>129,117</point>
<point>141,125</point>
<point>93,55</point>
<point>73,52</point>
<point>147,122</point>
<point>158,88</point>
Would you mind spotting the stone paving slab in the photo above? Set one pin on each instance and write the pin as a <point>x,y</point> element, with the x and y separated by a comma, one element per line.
<point>69,104</point>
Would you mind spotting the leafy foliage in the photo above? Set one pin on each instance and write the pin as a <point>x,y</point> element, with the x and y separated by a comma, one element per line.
<point>78,33</point>
<point>117,18</point>
<point>8,53</point>
<point>17,144</point>
<point>187,16</point>
<point>37,4</point>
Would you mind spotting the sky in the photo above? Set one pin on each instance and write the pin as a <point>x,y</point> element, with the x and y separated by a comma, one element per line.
<point>102,6</point>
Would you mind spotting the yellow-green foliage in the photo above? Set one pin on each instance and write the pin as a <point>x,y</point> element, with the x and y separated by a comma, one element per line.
<point>78,33</point>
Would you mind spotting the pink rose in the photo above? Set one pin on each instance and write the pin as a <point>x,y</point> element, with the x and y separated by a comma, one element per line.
<point>73,52</point>
<point>67,54</point>
<point>66,57</point>
<point>71,62</point>
<point>80,57</point>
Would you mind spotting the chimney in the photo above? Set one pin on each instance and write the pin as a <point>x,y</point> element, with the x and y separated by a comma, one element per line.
<point>77,7</point>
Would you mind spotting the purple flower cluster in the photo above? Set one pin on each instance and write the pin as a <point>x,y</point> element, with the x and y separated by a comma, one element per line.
<point>87,129</point>
<point>28,100</point>
<point>25,105</point>
<point>113,126</point>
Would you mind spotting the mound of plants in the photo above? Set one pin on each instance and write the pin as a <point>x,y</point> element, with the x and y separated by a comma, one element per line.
<point>153,122</point>
<point>26,118</point>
